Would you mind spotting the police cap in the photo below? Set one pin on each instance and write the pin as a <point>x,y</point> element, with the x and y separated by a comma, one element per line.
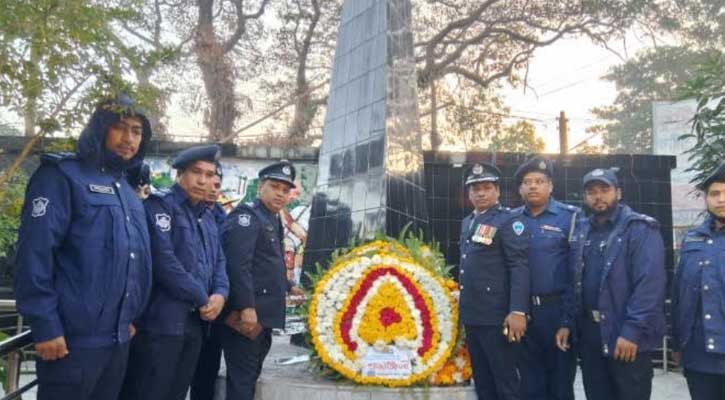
<point>482,172</point>
<point>606,176</point>
<point>282,171</point>
<point>534,164</point>
<point>718,175</point>
<point>207,152</point>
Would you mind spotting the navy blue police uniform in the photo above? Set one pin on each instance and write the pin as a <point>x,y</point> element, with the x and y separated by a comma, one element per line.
<point>83,264</point>
<point>207,368</point>
<point>188,267</point>
<point>547,373</point>
<point>619,292</point>
<point>258,279</point>
<point>698,305</point>
<point>494,281</point>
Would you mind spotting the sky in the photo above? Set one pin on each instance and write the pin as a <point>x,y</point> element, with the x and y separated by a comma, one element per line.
<point>566,76</point>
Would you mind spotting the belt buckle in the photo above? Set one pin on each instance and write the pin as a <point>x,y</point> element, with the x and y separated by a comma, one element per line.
<point>596,316</point>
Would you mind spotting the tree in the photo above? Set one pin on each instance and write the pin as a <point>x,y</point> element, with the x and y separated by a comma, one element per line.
<point>51,54</point>
<point>649,76</point>
<point>483,42</point>
<point>587,148</point>
<point>152,41</point>
<point>698,27</point>
<point>708,124</point>
<point>472,116</point>
<point>57,59</point>
<point>518,138</point>
<point>219,29</point>
<point>301,58</point>
<point>489,41</point>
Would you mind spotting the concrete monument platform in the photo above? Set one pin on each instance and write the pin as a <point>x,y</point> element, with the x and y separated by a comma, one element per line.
<point>286,382</point>
<point>295,381</point>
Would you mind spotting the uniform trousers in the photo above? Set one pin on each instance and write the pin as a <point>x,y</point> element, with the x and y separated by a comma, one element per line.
<point>207,369</point>
<point>547,373</point>
<point>493,360</point>
<point>608,379</point>
<point>161,367</point>
<point>84,374</point>
<point>244,359</point>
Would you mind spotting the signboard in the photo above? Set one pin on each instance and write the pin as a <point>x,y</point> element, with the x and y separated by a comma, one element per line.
<point>386,364</point>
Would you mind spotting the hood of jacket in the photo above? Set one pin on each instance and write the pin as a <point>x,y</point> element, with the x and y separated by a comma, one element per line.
<point>92,142</point>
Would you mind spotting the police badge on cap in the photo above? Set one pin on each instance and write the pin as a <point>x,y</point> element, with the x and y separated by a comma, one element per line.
<point>534,164</point>
<point>282,171</point>
<point>482,172</point>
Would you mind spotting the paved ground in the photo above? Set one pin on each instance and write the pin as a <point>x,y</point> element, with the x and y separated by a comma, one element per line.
<point>670,386</point>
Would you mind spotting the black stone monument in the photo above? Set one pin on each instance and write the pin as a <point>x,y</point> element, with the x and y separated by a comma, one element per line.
<point>370,175</point>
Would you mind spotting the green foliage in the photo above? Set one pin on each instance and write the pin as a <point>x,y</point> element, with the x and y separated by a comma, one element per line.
<point>58,59</point>
<point>61,145</point>
<point>697,29</point>
<point>652,75</point>
<point>162,181</point>
<point>518,138</point>
<point>708,124</point>
<point>4,366</point>
<point>11,205</point>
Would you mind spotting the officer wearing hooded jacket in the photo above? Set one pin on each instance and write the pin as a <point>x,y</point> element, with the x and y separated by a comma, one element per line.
<point>548,365</point>
<point>494,279</point>
<point>620,287</point>
<point>698,297</point>
<point>83,265</point>
<point>190,281</point>
<point>253,246</point>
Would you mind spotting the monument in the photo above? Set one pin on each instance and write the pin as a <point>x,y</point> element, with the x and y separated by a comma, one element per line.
<point>370,175</point>
<point>370,181</point>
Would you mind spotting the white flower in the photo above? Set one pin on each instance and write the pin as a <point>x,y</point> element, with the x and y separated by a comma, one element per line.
<point>458,377</point>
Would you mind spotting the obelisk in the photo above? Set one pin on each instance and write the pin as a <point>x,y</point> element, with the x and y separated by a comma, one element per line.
<point>371,162</point>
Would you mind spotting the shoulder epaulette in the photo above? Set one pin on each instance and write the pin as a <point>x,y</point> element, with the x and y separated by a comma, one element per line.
<point>55,158</point>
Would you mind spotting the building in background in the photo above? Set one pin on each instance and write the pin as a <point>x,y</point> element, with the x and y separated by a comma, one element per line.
<point>670,120</point>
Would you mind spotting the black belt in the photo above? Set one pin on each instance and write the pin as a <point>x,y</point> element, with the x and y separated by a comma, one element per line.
<point>542,299</point>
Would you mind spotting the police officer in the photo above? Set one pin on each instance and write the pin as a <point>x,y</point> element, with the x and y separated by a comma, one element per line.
<point>620,285</point>
<point>258,278</point>
<point>83,272</point>
<point>547,366</point>
<point>698,297</point>
<point>190,281</point>
<point>494,278</point>
<point>207,369</point>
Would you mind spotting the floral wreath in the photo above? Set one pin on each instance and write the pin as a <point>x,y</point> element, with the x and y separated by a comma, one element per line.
<point>386,313</point>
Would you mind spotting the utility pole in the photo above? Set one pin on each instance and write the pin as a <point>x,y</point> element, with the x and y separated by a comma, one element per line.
<point>563,133</point>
